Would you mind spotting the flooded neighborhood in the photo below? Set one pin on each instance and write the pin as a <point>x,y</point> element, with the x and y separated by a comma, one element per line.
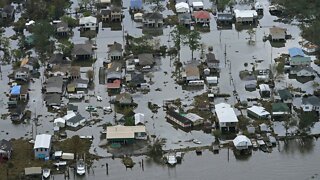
<point>159,89</point>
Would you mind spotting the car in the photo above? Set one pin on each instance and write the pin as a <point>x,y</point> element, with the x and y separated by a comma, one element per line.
<point>99,98</point>
<point>91,108</point>
<point>107,109</point>
<point>196,141</point>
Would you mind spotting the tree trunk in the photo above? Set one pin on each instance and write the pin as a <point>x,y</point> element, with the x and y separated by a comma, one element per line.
<point>192,55</point>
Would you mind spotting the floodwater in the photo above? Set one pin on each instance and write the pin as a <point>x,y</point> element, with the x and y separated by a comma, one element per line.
<point>277,165</point>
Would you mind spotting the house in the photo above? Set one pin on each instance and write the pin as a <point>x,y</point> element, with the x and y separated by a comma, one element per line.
<point>227,118</point>
<point>59,70</point>
<point>245,16</point>
<point>212,62</point>
<point>22,74</point>
<point>81,84</point>
<point>136,5</point>
<point>59,122</point>
<point>74,120</point>
<point>201,17</point>
<point>53,99</point>
<point>197,5</point>
<point>285,96</point>
<point>224,18</point>
<point>264,128</point>
<point>302,71</point>
<point>280,109</point>
<point>277,33</point>
<point>115,14</point>
<point>139,119</point>
<point>88,23</point>
<point>58,58</point>
<point>114,86</point>
<point>42,146</point>
<point>241,142</point>
<point>54,85</point>
<point>5,149</point>
<point>82,51</point>
<point>115,51</point>
<point>62,28</point>
<point>192,73</point>
<point>105,14</point>
<point>19,92</point>
<point>263,75</point>
<point>311,103</point>
<point>152,19</point>
<point>104,3</point>
<point>212,80</point>
<point>176,118</point>
<point>264,90</point>
<point>125,134</point>
<point>135,79</point>
<point>138,17</point>
<point>182,7</point>
<point>185,19</point>
<point>195,119</point>
<point>146,60</point>
<point>7,12</point>
<point>131,65</point>
<point>298,58</point>
<point>124,99</point>
<point>258,112</point>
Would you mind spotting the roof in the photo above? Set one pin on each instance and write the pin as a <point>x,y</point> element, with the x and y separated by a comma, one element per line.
<point>54,84</point>
<point>74,71</point>
<point>53,99</point>
<point>135,4</point>
<point>242,141</point>
<point>105,12</point>
<point>59,120</point>
<point>260,111</point>
<point>123,96</point>
<point>89,19</point>
<point>42,141</point>
<point>313,100</point>
<point>58,58</point>
<point>115,9</point>
<point>193,117</point>
<point>138,118</point>
<point>285,94</point>
<point>15,90</point>
<point>137,78</point>
<point>72,107</point>
<point>152,16</point>
<point>293,52</point>
<point>264,87</point>
<point>224,17</point>
<point>114,67</point>
<point>8,9</point>
<point>82,49</point>
<point>114,85</point>
<point>5,145</point>
<point>76,118</point>
<point>184,16</point>
<point>69,115</point>
<point>197,4</point>
<point>225,113</point>
<point>210,57</point>
<point>105,1</point>
<point>245,13</point>
<point>277,32</point>
<point>115,47</point>
<point>182,7</point>
<point>192,70</point>
<point>201,15</point>
<point>32,171</point>
<point>300,59</point>
<point>146,59</point>
<point>280,107</point>
<point>178,116</point>
<point>122,132</point>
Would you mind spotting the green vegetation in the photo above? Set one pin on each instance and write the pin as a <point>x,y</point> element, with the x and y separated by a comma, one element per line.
<point>307,120</point>
<point>193,41</point>
<point>155,150</point>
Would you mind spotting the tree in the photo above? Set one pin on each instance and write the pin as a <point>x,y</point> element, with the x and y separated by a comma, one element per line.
<point>178,35</point>
<point>193,41</point>
<point>158,6</point>
<point>5,46</point>
<point>90,75</point>
<point>42,32</point>
<point>251,33</point>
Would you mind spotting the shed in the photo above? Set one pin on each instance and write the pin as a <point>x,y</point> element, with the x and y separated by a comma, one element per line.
<point>182,7</point>
<point>139,119</point>
<point>212,80</point>
<point>59,122</point>
<point>32,171</point>
<point>67,156</point>
<point>258,112</point>
<point>264,90</point>
<point>242,142</point>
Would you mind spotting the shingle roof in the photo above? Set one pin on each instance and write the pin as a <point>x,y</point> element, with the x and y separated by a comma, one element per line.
<point>285,94</point>
<point>152,16</point>
<point>82,49</point>
<point>201,15</point>
<point>313,100</point>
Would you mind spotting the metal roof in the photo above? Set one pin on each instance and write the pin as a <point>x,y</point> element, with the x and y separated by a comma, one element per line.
<point>42,141</point>
<point>225,113</point>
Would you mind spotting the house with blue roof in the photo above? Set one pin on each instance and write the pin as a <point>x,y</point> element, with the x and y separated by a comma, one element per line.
<point>298,58</point>
<point>19,92</point>
<point>135,4</point>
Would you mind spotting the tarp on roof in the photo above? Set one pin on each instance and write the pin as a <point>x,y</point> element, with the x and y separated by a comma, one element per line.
<point>293,52</point>
<point>15,90</point>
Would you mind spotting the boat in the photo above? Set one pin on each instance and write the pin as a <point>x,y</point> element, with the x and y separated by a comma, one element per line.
<point>45,173</point>
<point>179,157</point>
<point>81,168</point>
<point>215,148</point>
<point>171,160</point>
<point>91,109</point>
<point>196,141</point>
<point>254,144</point>
<point>107,109</point>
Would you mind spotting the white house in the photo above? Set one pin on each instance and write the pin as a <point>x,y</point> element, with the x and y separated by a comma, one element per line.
<point>42,146</point>
<point>242,142</point>
<point>311,103</point>
<point>265,91</point>
<point>258,112</point>
<point>59,122</point>
<point>197,5</point>
<point>74,119</point>
<point>138,119</point>
<point>212,80</point>
<point>302,71</point>
<point>227,118</point>
<point>245,16</point>
<point>182,7</point>
<point>88,23</point>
